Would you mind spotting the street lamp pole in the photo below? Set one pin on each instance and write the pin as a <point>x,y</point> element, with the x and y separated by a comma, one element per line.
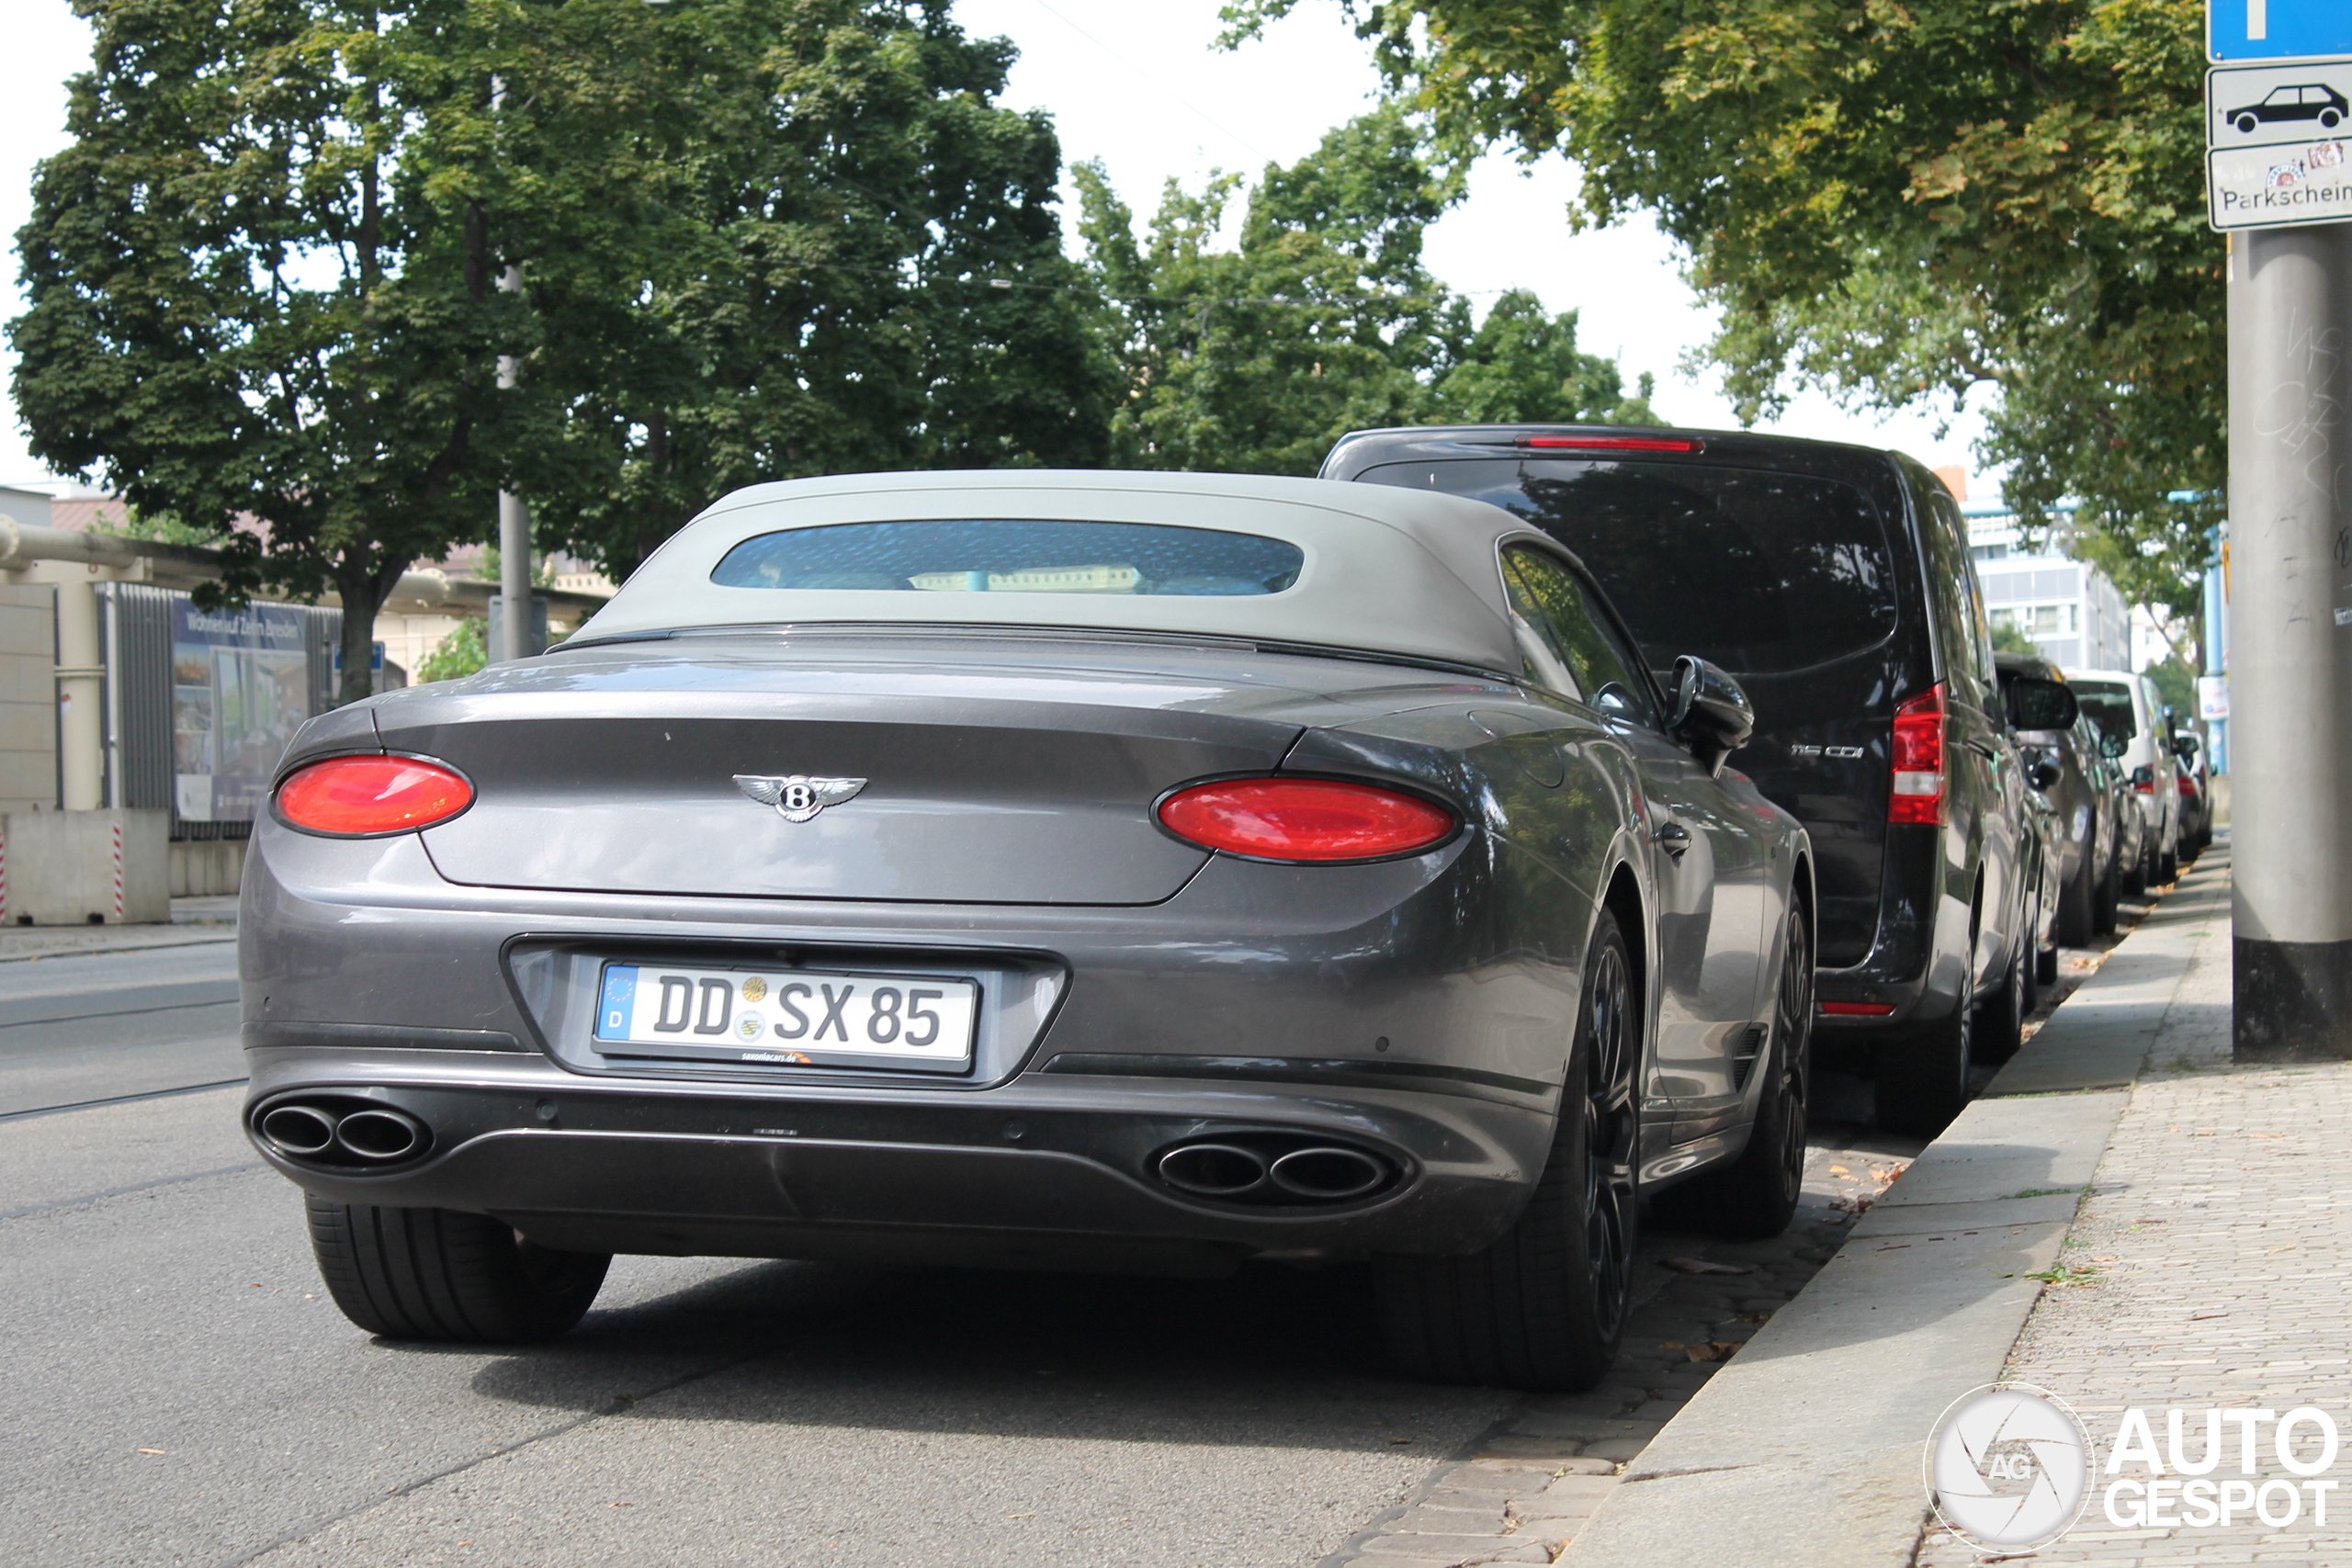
<point>513,534</point>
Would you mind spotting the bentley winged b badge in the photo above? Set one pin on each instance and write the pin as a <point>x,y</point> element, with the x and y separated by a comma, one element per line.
<point>796,797</point>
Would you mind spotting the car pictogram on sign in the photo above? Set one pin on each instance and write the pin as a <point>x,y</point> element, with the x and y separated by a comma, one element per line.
<point>2310,100</point>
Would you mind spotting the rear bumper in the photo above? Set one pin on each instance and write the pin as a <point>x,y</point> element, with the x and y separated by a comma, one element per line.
<point>1049,1170</point>
<point>1917,969</point>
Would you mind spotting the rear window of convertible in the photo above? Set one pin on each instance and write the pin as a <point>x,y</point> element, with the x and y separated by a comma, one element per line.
<point>1006,555</point>
<point>1761,573</point>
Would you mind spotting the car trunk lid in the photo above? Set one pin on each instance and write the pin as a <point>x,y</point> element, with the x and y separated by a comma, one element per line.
<point>616,771</point>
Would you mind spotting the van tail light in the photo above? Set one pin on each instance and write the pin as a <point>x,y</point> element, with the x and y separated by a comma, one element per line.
<point>2188,786</point>
<point>1305,819</point>
<point>2143,779</point>
<point>357,798</point>
<point>1918,760</point>
<point>1614,443</point>
<point>1857,1010</point>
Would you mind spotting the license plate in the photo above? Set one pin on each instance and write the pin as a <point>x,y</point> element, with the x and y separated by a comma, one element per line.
<point>786,1017</point>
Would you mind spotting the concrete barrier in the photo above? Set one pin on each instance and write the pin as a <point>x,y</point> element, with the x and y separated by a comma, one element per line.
<point>71,868</point>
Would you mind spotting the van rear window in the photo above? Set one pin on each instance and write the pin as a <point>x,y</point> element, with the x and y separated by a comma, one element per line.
<point>2109,705</point>
<point>1761,573</point>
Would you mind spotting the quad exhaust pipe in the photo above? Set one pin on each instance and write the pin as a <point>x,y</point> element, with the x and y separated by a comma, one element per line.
<point>373,1134</point>
<point>1277,1171</point>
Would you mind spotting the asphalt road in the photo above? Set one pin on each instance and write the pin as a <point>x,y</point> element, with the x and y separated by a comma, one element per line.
<point>181,1392</point>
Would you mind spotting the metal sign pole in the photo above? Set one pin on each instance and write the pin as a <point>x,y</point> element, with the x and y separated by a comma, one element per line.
<point>2290,655</point>
<point>2278,176</point>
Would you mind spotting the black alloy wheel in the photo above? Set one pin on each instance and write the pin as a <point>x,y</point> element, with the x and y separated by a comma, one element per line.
<point>1543,1305</point>
<point>1755,1196</point>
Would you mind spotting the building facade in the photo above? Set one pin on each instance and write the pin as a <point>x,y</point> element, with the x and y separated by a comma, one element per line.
<point>2067,608</point>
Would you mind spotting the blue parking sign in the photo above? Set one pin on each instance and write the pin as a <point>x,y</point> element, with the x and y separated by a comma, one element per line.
<point>2277,29</point>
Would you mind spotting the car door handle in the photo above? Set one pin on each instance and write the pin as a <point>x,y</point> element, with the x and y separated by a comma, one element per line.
<point>1674,839</point>
<point>1984,748</point>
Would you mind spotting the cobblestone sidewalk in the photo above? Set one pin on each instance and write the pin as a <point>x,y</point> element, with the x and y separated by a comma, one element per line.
<point>2207,1268</point>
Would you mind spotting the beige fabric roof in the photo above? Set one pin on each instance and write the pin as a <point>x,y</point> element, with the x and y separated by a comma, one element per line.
<point>1386,570</point>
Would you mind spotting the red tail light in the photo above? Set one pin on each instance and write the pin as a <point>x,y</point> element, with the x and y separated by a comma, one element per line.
<point>1614,443</point>
<point>1305,819</point>
<point>361,796</point>
<point>1857,1010</point>
<point>2189,785</point>
<point>1918,760</point>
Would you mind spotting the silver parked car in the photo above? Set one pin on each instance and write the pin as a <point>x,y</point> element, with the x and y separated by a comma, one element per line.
<point>1118,872</point>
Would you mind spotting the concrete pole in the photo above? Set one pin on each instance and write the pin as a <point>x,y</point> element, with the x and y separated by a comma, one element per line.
<point>81,695</point>
<point>2291,653</point>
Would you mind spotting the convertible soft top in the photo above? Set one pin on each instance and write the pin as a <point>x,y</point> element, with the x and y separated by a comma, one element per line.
<point>1313,561</point>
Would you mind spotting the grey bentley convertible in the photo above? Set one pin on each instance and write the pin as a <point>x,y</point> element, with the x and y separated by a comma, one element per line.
<point>1121,872</point>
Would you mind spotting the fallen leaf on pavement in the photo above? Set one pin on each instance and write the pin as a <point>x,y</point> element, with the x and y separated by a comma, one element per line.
<point>150,1450</point>
<point>1702,1266</point>
<point>1715,1350</point>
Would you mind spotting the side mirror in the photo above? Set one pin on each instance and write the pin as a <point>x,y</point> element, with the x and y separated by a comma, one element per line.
<point>1711,713</point>
<point>2185,748</point>
<point>2144,778</point>
<point>2042,772</point>
<point>2036,703</point>
<point>2113,746</point>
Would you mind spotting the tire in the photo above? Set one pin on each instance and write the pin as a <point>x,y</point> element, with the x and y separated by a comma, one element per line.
<point>438,1274</point>
<point>2330,119</point>
<point>1923,1080</point>
<point>1999,1027</point>
<point>2077,919</point>
<point>2103,914</point>
<point>1543,1306</point>
<point>1755,1196</point>
<point>2135,871</point>
<point>2246,124</point>
<point>2045,967</point>
<point>2167,870</point>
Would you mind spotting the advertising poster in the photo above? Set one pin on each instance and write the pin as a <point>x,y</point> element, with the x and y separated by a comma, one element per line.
<point>240,688</point>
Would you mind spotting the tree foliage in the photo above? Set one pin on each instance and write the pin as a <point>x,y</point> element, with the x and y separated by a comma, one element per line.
<point>261,282</point>
<point>1897,202</point>
<point>1320,319</point>
<point>754,239</point>
<point>828,250</point>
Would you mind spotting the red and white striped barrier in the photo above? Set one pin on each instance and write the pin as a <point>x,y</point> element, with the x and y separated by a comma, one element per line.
<point>117,873</point>
<point>4,881</point>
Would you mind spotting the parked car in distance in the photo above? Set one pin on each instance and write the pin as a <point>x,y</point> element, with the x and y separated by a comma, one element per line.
<point>1834,583</point>
<point>2082,788</point>
<point>2126,705</point>
<point>2196,793</point>
<point>1128,872</point>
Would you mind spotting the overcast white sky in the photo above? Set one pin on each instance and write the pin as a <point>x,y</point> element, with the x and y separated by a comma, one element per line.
<point>1141,87</point>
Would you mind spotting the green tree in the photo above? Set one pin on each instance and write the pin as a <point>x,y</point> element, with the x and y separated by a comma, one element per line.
<point>2006,638</point>
<point>828,250</point>
<point>2175,686</point>
<point>1523,367</point>
<point>465,650</point>
<point>754,239</point>
<point>260,283</point>
<point>1897,203</point>
<point>1320,319</point>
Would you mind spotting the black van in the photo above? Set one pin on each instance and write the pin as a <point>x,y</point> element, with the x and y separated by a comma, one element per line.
<point>1835,583</point>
